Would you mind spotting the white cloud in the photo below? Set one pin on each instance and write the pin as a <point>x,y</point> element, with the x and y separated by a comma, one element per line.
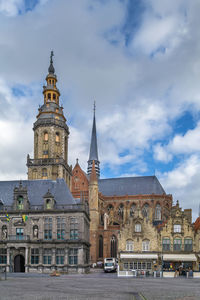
<point>10,7</point>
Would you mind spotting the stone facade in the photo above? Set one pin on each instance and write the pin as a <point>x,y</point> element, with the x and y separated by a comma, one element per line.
<point>50,235</point>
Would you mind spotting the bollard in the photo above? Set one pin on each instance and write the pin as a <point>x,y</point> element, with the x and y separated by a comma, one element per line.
<point>154,275</point>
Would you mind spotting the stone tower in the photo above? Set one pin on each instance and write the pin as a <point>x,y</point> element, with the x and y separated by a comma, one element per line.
<point>93,150</point>
<point>50,136</point>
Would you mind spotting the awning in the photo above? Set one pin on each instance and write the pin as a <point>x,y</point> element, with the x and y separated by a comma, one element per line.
<point>179,257</point>
<point>139,256</point>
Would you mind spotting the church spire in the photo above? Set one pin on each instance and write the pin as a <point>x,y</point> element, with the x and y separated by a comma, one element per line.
<point>93,149</point>
<point>51,67</point>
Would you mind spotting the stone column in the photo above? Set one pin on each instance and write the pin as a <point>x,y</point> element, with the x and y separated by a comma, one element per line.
<point>8,260</point>
<point>26,259</point>
<point>66,256</point>
<point>53,258</point>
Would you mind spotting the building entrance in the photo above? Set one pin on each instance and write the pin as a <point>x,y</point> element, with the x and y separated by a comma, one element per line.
<point>19,263</point>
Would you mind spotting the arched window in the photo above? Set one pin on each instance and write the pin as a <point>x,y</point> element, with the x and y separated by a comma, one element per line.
<point>20,202</point>
<point>129,245</point>
<point>145,245</point>
<point>44,173</point>
<point>138,227</point>
<point>46,137</point>
<point>145,210</point>
<point>188,244</point>
<point>65,154</point>
<point>132,210</point>
<point>121,211</point>
<point>57,137</point>
<point>113,247</point>
<point>34,174</point>
<point>100,246</point>
<point>158,212</point>
<point>4,232</point>
<point>35,231</point>
<point>49,96</point>
<point>109,208</point>
<point>48,203</point>
<point>36,145</point>
<point>54,96</point>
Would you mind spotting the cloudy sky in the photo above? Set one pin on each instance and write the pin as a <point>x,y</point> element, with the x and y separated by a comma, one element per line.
<point>138,59</point>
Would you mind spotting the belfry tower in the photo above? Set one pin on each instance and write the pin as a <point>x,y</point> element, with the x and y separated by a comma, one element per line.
<point>50,136</point>
<point>93,156</point>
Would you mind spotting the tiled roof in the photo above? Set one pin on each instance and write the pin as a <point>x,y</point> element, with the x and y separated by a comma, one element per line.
<point>36,190</point>
<point>144,185</point>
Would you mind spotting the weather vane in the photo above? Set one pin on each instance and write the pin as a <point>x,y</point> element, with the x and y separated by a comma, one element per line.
<point>51,57</point>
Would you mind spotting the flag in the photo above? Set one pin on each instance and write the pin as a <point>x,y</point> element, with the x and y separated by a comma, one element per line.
<point>25,218</point>
<point>7,217</point>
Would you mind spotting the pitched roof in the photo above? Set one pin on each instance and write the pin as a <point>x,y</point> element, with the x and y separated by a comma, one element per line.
<point>36,189</point>
<point>144,185</point>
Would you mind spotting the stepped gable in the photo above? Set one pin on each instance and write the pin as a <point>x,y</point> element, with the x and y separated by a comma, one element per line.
<point>144,185</point>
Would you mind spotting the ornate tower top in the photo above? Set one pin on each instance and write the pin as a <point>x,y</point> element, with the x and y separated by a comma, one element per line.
<point>93,149</point>
<point>51,67</point>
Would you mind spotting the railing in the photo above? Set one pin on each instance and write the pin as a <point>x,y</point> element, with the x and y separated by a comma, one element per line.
<point>51,122</point>
<point>70,207</point>
<point>46,161</point>
<point>19,237</point>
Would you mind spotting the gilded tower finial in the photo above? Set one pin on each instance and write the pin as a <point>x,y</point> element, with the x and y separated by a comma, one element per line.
<point>51,67</point>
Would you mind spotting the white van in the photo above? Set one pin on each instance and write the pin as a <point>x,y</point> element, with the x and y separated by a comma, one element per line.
<point>110,265</point>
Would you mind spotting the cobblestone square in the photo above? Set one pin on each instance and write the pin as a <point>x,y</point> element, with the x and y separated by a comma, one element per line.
<point>95,286</point>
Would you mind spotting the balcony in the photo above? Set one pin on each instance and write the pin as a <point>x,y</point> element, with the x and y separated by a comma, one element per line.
<point>48,161</point>
<point>20,238</point>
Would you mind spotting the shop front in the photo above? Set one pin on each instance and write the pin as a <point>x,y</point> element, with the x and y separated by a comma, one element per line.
<point>178,264</point>
<point>138,261</point>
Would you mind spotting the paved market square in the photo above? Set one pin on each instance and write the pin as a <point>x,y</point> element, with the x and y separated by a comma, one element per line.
<point>96,286</point>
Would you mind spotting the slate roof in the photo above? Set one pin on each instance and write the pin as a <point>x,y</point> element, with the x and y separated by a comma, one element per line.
<point>36,190</point>
<point>93,145</point>
<point>144,185</point>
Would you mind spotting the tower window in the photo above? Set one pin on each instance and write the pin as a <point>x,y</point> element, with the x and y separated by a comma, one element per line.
<point>54,96</point>
<point>46,136</point>
<point>49,96</point>
<point>44,173</point>
<point>57,137</point>
<point>50,81</point>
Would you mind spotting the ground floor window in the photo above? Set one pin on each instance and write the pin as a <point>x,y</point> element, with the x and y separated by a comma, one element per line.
<point>47,256</point>
<point>173,266</point>
<point>60,254</point>
<point>3,256</point>
<point>73,256</point>
<point>34,256</point>
<point>137,265</point>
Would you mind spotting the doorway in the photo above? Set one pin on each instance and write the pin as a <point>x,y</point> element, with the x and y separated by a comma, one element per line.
<point>19,263</point>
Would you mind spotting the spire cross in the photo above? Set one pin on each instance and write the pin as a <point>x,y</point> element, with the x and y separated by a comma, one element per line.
<point>51,57</point>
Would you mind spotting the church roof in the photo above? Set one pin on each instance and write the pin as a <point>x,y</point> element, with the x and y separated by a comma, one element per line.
<point>36,189</point>
<point>144,185</point>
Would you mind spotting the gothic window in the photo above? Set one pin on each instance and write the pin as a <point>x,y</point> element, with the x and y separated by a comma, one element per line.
<point>137,227</point>
<point>47,254</point>
<point>121,210</point>
<point>57,137</point>
<point>60,228</point>
<point>4,232</point>
<point>166,244</point>
<point>44,173</point>
<point>113,247</point>
<point>158,212</point>
<point>34,256</point>
<point>36,145</point>
<point>145,210</point>
<point>177,228</point>
<point>47,228</point>
<point>66,148</point>
<point>177,244</point>
<point>109,208</point>
<point>73,229</point>
<point>129,245</point>
<point>145,245</point>
<point>188,244</point>
<point>100,246</point>
<point>132,210</point>
<point>35,231</point>
<point>73,256</point>
<point>20,202</point>
<point>60,254</point>
<point>34,174</point>
<point>3,256</point>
